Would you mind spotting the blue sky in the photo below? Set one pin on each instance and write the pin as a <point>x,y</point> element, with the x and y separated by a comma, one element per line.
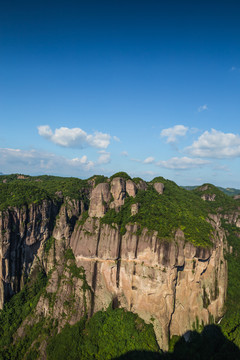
<point>146,87</point>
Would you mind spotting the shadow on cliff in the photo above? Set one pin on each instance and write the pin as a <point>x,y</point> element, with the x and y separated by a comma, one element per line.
<point>211,344</point>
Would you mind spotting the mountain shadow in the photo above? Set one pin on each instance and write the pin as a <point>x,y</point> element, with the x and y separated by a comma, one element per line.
<point>211,344</point>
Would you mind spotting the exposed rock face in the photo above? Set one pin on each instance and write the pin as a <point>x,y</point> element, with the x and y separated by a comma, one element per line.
<point>64,295</point>
<point>131,188</point>
<point>208,197</point>
<point>22,231</point>
<point>118,190</point>
<point>172,282</point>
<point>66,219</point>
<point>142,185</point>
<point>159,187</point>
<point>99,199</point>
<point>203,188</point>
<point>134,209</point>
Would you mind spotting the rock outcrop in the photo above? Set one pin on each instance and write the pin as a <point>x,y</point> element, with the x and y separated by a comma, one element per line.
<point>22,232</point>
<point>131,188</point>
<point>159,187</point>
<point>171,283</point>
<point>208,197</point>
<point>99,200</point>
<point>118,191</point>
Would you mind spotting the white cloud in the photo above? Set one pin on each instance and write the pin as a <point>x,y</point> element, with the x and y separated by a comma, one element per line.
<point>33,161</point>
<point>81,162</point>
<point>202,108</point>
<point>183,163</point>
<point>173,132</point>
<point>116,138</point>
<point>75,137</point>
<point>149,160</point>
<point>124,153</point>
<point>216,144</point>
<point>104,157</point>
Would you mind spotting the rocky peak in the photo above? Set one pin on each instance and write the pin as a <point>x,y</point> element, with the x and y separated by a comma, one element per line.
<point>131,188</point>
<point>159,187</point>
<point>100,197</point>
<point>142,185</point>
<point>203,187</point>
<point>118,190</point>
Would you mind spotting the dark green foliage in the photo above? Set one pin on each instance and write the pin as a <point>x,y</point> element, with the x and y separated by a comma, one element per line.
<point>69,255</point>
<point>19,194</point>
<point>137,180</point>
<point>84,217</point>
<point>76,272</point>
<point>175,208</point>
<point>99,179</point>
<point>106,335</point>
<point>34,189</point>
<point>49,243</point>
<point>23,347</point>
<point>67,343</point>
<point>221,203</point>
<point>121,174</point>
<point>17,309</point>
<point>120,218</point>
<point>208,345</point>
<point>230,324</point>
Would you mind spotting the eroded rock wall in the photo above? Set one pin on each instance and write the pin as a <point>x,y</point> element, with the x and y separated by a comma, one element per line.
<point>172,284</point>
<point>22,231</point>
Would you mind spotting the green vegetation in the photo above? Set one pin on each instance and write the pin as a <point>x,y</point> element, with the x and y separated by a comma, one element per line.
<point>137,180</point>
<point>35,189</point>
<point>15,312</point>
<point>175,208</point>
<point>121,174</point>
<point>210,344</point>
<point>106,335</point>
<point>99,179</point>
<point>19,194</point>
<point>83,218</point>
<point>227,191</point>
<point>49,243</point>
<point>222,203</point>
<point>230,323</point>
<point>112,333</point>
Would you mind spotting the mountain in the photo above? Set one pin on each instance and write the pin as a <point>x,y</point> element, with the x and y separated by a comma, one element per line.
<point>109,261</point>
<point>228,191</point>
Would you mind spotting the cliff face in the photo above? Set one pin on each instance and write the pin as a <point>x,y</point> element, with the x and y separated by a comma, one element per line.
<point>22,231</point>
<point>171,283</point>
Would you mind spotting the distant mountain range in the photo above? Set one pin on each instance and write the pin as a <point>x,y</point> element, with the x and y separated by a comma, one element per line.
<point>228,191</point>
